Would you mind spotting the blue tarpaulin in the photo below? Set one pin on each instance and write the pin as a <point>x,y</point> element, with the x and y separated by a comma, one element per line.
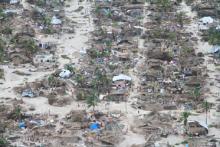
<point>94,126</point>
<point>21,125</point>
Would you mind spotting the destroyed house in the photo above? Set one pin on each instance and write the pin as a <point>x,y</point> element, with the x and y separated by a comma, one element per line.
<point>42,58</point>
<point>117,95</point>
<point>196,128</point>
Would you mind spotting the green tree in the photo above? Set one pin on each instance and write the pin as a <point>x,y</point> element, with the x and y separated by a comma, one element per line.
<point>2,45</point>
<point>179,1</point>
<point>184,118</point>
<point>109,14</point>
<point>80,79</point>
<point>2,14</point>
<point>18,112</point>
<point>56,3</point>
<point>180,18</point>
<point>29,46</point>
<point>7,31</point>
<point>48,30</point>
<point>40,3</point>
<point>70,68</point>
<point>206,106</point>
<point>1,73</point>
<point>196,93</point>
<point>165,4</point>
<point>3,142</point>
<point>214,36</point>
<point>92,100</point>
<point>52,81</point>
<point>46,20</point>
<point>101,82</point>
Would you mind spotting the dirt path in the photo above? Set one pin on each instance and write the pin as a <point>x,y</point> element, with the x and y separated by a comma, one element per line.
<point>205,48</point>
<point>135,138</point>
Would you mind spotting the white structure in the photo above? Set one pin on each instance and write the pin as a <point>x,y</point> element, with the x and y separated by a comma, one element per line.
<point>206,20</point>
<point>121,77</point>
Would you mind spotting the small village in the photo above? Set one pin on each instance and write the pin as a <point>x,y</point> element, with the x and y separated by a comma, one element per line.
<point>110,73</point>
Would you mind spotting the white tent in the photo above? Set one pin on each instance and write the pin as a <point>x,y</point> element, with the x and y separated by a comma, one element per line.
<point>65,73</point>
<point>55,21</point>
<point>206,20</point>
<point>121,77</point>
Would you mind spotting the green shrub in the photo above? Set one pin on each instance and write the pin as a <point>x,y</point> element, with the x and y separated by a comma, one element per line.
<point>30,46</point>
<point>48,31</point>
<point>2,46</point>
<point>2,15</point>
<point>1,73</point>
<point>214,36</point>
<point>7,30</point>
<point>40,3</point>
<point>70,68</point>
<point>3,142</point>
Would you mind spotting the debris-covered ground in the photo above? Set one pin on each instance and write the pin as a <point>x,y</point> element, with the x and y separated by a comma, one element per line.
<point>96,73</point>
